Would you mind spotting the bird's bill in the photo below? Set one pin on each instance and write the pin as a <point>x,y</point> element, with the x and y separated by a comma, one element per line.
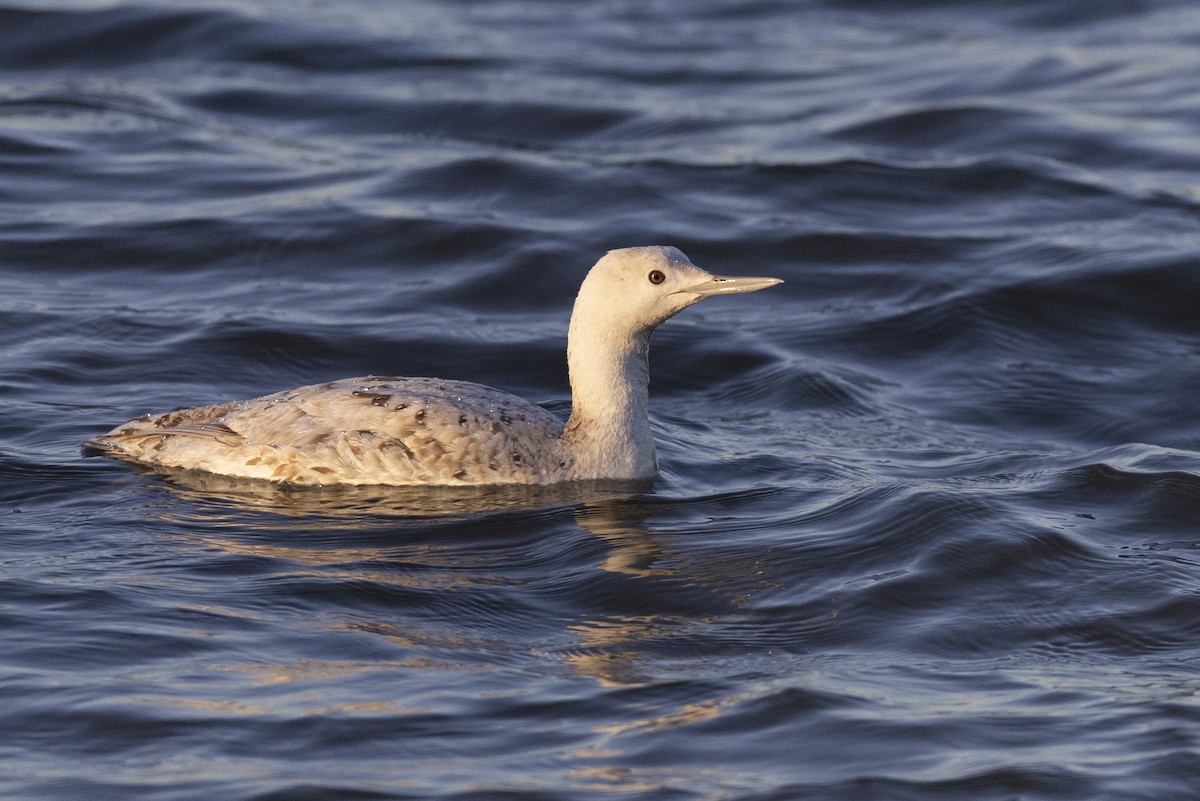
<point>730,285</point>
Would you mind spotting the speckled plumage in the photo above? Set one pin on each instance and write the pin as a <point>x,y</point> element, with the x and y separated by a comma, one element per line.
<point>406,431</point>
<point>358,431</point>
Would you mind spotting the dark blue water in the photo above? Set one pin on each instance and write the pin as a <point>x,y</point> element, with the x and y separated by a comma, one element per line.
<point>928,525</point>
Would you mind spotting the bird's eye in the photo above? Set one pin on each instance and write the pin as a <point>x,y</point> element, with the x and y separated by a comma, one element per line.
<point>657,277</point>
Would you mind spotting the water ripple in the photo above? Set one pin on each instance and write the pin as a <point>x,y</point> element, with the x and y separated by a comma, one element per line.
<point>925,522</point>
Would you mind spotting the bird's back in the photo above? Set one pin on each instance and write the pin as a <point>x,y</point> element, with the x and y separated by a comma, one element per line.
<point>370,430</point>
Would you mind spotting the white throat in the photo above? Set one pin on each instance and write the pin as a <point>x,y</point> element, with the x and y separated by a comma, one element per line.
<point>609,429</point>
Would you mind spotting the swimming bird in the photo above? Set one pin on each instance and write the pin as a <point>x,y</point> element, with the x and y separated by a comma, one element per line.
<point>430,431</point>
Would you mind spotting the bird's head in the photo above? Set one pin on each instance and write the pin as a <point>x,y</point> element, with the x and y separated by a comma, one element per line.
<point>635,289</point>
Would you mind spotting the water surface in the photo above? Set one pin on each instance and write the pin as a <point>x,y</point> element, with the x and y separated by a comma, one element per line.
<point>926,524</point>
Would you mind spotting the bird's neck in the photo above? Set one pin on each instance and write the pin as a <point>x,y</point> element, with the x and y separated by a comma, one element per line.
<point>609,430</point>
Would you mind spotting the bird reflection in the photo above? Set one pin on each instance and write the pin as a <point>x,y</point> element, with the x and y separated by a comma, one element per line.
<point>445,548</point>
<point>382,505</point>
